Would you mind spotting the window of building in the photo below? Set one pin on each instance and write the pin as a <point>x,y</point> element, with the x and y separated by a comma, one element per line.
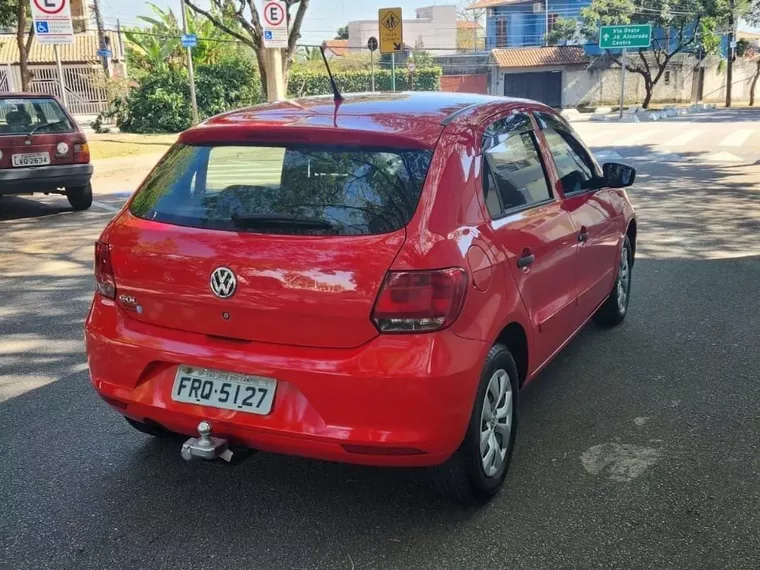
<point>501,32</point>
<point>552,21</point>
<point>666,78</point>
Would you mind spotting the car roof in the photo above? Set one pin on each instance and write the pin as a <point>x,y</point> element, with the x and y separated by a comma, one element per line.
<point>417,116</point>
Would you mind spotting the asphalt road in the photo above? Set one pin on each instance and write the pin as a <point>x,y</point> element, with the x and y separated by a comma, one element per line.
<point>638,447</point>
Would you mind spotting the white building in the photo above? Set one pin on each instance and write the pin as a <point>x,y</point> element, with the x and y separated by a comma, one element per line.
<point>434,29</point>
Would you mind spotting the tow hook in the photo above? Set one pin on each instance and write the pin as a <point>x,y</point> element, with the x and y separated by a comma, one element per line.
<point>206,446</point>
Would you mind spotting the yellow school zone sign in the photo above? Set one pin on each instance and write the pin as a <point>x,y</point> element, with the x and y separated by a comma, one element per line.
<point>391,30</point>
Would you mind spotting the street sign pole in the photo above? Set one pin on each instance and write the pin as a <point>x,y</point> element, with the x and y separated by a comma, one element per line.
<point>53,26</point>
<point>275,24</point>
<point>372,45</point>
<point>190,72</point>
<point>60,76</point>
<point>391,24</point>
<point>622,82</point>
<point>393,72</point>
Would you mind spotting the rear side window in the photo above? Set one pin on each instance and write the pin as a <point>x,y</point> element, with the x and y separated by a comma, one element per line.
<point>514,164</point>
<point>24,116</point>
<point>301,190</point>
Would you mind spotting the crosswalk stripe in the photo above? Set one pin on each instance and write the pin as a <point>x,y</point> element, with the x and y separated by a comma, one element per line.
<point>637,137</point>
<point>684,138</point>
<point>737,138</point>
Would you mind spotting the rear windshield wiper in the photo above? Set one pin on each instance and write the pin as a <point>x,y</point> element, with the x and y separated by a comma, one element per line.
<point>43,125</point>
<point>253,221</point>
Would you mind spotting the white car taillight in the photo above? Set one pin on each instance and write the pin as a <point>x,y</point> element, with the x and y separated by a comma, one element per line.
<point>420,301</point>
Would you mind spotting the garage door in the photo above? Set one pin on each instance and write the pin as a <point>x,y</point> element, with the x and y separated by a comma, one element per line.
<point>545,86</point>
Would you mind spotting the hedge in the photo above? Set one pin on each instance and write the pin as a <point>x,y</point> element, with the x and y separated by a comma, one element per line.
<point>161,102</point>
<point>305,83</point>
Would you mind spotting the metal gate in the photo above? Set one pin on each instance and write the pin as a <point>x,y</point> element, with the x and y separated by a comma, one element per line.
<point>85,87</point>
<point>6,83</point>
<point>544,86</point>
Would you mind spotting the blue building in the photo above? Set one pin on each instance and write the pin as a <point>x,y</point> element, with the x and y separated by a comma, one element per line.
<point>523,23</point>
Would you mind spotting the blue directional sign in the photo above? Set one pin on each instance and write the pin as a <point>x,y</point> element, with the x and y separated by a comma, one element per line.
<point>268,35</point>
<point>104,53</point>
<point>41,27</point>
<point>189,40</point>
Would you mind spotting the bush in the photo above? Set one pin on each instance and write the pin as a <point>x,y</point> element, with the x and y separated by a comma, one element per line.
<point>305,83</point>
<point>161,102</point>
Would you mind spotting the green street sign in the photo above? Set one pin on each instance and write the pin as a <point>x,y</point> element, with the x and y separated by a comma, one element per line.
<point>638,36</point>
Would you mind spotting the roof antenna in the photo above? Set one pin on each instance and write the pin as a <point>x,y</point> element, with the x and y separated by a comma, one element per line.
<point>336,92</point>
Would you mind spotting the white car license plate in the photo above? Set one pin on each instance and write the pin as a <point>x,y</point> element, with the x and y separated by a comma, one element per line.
<point>226,390</point>
<point>31,159</point>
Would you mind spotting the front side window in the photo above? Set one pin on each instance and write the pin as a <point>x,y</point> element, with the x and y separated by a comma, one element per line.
<point>574,167</point>
<point>513,164</point>
<point>25,116</point>
<point>289,189</point>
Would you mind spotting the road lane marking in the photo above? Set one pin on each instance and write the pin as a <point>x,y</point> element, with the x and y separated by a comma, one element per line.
<point>737,138</point>
<point>684,138</point>
<point>637,137</point>
<point>105,207</point>
<point>592,136</point>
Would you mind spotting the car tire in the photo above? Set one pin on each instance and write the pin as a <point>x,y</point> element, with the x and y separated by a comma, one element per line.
<point>615,308</point>
<point>80,197</point>
<point>464,477</point>
<point>151,429</point>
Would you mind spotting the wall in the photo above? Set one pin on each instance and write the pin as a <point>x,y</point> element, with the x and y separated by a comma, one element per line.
<point>714,89</point>
<point>434,29</point>
<point>599,83</point>
<point>472,83</point>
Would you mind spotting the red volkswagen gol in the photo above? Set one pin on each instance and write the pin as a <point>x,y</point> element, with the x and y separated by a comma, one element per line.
<point>371,282</point>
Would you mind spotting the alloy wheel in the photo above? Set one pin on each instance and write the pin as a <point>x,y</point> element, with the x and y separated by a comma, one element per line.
<point>496,422</point>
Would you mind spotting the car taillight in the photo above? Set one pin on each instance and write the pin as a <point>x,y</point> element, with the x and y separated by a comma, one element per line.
<point>105,284</point>
<point>82,153</point>
<point>420,301</point>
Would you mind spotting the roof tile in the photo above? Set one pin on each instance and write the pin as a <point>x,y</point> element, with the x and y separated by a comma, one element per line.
<point>539,56</point>
<point>84,49</point>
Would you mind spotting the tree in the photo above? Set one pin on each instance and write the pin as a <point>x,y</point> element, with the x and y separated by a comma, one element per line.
<point>753,17</point>
<point>246,15</point>
<point>675,29</point>
<point>470,15</point>
<point>16,13</point>
<point>342,33</point>
<point>564,30</point>
<point>159,47</point>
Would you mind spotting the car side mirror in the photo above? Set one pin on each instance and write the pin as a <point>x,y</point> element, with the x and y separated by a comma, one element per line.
<point>618,175</point>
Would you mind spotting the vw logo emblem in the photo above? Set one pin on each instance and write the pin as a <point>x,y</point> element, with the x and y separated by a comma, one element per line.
<point>223,282</point>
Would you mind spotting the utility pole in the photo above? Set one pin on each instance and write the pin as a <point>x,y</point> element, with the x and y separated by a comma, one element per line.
<point>731,52</point>
<point>190,72</point>
<point>101,36</point>
<point>546,22</point>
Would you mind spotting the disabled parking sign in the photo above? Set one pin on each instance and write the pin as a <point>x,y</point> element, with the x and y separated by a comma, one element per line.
<point>52,21</point>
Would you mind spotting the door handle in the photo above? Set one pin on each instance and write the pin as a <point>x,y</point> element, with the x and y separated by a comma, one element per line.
<point>526,259</point>
<point>583,235</point>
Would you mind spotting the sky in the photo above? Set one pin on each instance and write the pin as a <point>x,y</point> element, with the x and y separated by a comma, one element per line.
<point>322,19</point>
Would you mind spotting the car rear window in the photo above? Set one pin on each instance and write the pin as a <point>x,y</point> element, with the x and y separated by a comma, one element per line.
<point>298,189</point>
<point>24,116</point>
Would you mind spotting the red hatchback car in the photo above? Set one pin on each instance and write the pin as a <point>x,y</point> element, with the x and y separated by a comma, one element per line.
<point>43,150</point>
<point>370,282</point>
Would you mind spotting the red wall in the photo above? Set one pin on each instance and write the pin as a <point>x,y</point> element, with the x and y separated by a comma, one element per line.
<point>465,83</point>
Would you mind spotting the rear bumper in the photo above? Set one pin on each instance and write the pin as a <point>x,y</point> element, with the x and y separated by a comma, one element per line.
<point>44,178</point>
<point>396,401</point>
